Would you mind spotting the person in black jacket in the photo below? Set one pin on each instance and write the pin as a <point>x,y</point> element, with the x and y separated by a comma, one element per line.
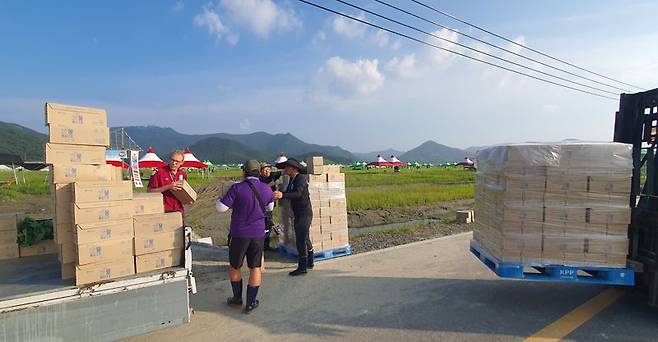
<point>269,177</point>
<point>300,202</point>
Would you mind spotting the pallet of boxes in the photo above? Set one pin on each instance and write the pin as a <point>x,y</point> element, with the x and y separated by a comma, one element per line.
<point>102,229</point>
<point>554,204</point>
<point>328,231</point>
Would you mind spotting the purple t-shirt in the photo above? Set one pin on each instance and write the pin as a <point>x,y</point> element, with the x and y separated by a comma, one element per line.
<point>247,219</point>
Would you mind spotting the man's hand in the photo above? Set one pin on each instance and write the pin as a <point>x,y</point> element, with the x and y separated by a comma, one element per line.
<point>278,195</point>
<point>189,203</point>
<point>174,186</point>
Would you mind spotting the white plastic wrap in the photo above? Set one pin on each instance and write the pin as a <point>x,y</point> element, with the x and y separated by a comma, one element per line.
<point>564,203</point>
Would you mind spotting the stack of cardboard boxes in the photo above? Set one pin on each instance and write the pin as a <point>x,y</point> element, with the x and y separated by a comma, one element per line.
<point>565,204</point>
<point>96,212</point>
<point>8,236</point>
<point>327,193</point>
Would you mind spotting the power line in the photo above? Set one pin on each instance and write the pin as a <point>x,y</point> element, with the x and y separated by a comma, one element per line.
<point>454,52</point>
<point>498,47</point>
<point>474,49</point>
<point>521,45</point>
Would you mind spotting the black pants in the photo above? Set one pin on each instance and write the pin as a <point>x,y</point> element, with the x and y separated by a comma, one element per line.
<point>302,239</point>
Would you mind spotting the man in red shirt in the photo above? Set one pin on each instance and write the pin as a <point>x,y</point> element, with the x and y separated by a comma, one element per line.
<point>166,179</point>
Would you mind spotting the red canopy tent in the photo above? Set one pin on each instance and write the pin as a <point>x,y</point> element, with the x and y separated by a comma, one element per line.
<point>396,162</point>
<point>150,159</point>
<point>189,160</point>
<point>116,161</point>
<point>381,162</point>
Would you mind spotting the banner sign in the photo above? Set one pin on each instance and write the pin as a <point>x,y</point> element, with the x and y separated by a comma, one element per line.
<point>134,169</point>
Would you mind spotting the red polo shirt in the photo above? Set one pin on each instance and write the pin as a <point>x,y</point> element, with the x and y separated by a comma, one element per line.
<point>163,176</point>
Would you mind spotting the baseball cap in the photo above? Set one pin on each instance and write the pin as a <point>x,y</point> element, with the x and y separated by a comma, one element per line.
<point>251,166</point>
<point>264,165</point>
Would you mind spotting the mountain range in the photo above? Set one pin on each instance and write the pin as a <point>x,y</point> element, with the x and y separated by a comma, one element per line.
<point>227,148</point>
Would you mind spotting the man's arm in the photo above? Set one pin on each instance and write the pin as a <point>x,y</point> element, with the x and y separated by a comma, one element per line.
<point>300,184</point>
<point>224,204</point>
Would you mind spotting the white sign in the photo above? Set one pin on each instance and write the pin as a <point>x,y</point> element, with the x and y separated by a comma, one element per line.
<point>134,169</point>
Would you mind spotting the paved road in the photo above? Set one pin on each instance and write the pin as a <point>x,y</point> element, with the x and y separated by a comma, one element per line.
<point>428,291</point>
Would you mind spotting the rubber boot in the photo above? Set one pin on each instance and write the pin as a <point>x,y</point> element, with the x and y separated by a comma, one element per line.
<point>301,267</point>
<point>311,258</point>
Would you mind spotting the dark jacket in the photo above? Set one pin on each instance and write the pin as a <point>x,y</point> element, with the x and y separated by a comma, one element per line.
<point>274,175</point>
<point>297,193</point>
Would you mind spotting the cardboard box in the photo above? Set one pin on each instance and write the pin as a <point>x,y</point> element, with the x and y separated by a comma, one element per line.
<point>575,183</point>
<point>40,248</point>
<point>68,253</point>
<point>314,165</point>
<point>9,251</point>
<point>64,232</point>
<point>104,251</point>
<point>75,115</point>
<point>97,272</point>
<point>147,225</point>
<point>331,169</point>
<point>64,174</point>
<point>159,260</point>
<point>336,177</point>
<point>104,231</point>
<point>74,154</point>
<point>62,195</point>
<point>8,221</point>
<point>609,184</point>
<point>185,195</point>
<point>89,192</point>
<point>68,270</point>
<point>159,242</point>
<point>78,135</point>
<point>147,203</point>
<point>102,211</point>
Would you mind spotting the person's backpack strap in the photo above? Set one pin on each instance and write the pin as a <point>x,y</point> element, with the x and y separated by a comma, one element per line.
<point>260,201</point>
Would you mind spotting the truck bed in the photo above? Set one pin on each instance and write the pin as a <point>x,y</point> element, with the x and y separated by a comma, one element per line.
<point>36,305</point>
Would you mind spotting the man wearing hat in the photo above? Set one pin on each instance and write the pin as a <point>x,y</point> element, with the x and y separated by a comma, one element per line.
<point>269,177</point>
<point>300,202</point>
<point>249,199</point>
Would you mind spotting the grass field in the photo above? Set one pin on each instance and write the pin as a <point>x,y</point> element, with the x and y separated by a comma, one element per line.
<point>374,177</point>
<point>371,189</point>
<point>381,188</point>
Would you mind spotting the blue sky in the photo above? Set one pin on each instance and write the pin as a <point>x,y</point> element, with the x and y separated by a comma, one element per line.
<point>240,66</point>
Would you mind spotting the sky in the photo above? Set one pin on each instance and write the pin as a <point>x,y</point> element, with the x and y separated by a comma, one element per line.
<point>240,66</point>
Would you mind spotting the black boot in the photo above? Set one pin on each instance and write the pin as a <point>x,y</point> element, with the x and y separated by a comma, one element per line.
<point>301,267</point>
<point>310,262</point>
<point>236,300</point>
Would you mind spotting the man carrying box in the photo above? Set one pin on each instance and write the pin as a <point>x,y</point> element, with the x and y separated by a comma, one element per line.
<point>249,199</point>
<point>167,179</point>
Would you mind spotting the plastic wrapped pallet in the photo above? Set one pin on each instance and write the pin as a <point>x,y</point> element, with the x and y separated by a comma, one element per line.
<point>555,203</point>
<point>328,229</point>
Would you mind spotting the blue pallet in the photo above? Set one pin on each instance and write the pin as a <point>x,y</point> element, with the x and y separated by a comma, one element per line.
<point>540,272</point>
<point>291,253</point>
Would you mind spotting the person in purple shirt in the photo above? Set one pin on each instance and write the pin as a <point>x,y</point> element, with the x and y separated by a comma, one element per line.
<point>247,232</point>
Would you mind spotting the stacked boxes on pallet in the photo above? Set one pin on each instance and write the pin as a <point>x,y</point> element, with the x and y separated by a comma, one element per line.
<point>564,203</point>
<point>327,193</point>
<point>97,216</point>
<point>8,236</point>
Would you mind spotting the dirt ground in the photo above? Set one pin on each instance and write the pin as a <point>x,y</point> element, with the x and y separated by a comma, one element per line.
<point>373,217</point>
<point>36,206</point>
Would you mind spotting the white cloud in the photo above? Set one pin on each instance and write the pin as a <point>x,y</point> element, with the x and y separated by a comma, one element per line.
<point>261,16</point>
<point>348,27</point>
<point>319,37</point>
<point>210,20</point>
<point>245,124</point>
<point>382,38</point>
<point>342,78</point>
<point>405,67</point>
<point>442,57</point>
<point>178,6</point>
